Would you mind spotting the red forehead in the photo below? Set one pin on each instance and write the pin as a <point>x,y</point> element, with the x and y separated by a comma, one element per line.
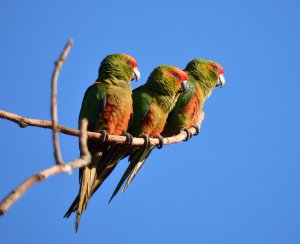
<point>183,75</point>
<point>132,60</point>
<point>220,69</point>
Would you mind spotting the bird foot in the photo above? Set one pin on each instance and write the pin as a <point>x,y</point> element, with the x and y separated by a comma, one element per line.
<point>104,136</point>
<point>188,134</point>
<point>147,140</point>
<point>161,142</point>
<point>197,128</point>
<point>129,138</point>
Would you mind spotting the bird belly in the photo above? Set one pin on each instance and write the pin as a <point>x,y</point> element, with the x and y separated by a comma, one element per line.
<point>154,121</point>
<point>117,113</point>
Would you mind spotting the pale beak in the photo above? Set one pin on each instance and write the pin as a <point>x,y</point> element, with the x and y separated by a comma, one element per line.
<point>184,86</point>
<point>136,74</point>
<point>221,80</point>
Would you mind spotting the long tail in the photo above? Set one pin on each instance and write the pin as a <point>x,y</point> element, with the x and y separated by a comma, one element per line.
<point>80,203</point>
<point>72,208</point>
<point>85,193</point>
<point>137,160</point>
<point>108,163</point>
<point>137,167</point>
<point>93,176</point>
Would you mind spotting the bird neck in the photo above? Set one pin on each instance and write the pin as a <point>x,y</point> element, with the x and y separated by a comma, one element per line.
<point>205,89</point>
<point>113,81</point>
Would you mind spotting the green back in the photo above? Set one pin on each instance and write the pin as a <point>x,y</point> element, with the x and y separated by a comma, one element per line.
<point>93,105</point>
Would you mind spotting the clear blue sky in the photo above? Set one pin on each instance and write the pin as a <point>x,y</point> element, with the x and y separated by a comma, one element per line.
<point>237,182</point>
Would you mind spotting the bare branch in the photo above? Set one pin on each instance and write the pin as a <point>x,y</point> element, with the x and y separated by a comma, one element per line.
<point>84,160</point>
<point>58,66</point>
<point>24,122</point>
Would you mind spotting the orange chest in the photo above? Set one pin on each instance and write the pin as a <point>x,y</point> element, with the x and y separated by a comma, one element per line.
<point>193,109</point>
<point>154,121</point>
<point>117,114</point>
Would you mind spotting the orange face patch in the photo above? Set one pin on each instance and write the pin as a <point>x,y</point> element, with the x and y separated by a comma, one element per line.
<point>179,74</point>
<point>216,68</point>
<point>131,61</point>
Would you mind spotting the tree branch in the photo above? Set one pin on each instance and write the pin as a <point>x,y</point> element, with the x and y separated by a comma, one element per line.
<point>58,66</point>
<point>24,122</point>
<point>84,160</point>
<point>85,157</point>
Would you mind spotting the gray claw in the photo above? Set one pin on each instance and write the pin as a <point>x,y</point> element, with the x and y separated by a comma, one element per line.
<point>161,142</point>
<point>147,140</point>
<point>104,136</point>
<point>197,128</point>
<point>129,138</point>
<point>188,134</point>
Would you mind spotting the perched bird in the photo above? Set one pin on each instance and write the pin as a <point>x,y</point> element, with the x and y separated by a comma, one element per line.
<point>152,103</point>
<point>203,76</point>
<point>107,105</point>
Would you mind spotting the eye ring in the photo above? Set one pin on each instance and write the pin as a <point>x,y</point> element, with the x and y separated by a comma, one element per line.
<point>129,62</point>
<point>215,68</point>
<point>177,76</point>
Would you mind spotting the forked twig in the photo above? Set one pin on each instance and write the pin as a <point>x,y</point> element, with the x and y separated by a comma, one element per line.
<point>84,160</point>
<point>58,66</point>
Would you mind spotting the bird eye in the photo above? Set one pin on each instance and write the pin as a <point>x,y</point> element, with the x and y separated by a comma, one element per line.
<point>215,68</point>
<point>129,63</point>
<point>177,75</point>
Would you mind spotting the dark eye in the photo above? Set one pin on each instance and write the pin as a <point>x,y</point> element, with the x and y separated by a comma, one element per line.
<point>177,75</point>
<point>129,63</point>
<point>215,68</point>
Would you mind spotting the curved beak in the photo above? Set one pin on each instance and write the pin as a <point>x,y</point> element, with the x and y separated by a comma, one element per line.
<point>136,74</point>
<point>221,80</point>
<point>184,86</point>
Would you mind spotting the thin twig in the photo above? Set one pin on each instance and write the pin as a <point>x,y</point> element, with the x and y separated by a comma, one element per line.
<point>58,66</point>
<point>84,160</point>
<point>24,122</point>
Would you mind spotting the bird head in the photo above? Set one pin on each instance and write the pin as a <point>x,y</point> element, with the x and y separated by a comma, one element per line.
<point>168,80</point>
<point>208,74</point>
<point>120,66</point>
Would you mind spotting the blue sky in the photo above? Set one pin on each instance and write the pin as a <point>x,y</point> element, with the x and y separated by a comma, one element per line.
<point>237,182</point>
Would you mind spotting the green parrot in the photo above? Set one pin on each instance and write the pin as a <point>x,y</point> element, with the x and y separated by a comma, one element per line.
<point>107,105</point>
<point>203,76</point>
<point>152,103</point>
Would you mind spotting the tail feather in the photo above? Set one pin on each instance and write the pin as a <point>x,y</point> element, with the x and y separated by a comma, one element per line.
<point>72,208</point>
<point>80,202</point>
<point>137,167</point>
<point>135,163</point>
<point>84,194</point>
<point>92,177</point>
<point>108,163</point>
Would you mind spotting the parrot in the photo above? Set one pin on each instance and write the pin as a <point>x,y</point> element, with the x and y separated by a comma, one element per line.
<point>107,105</point>
<point>152,103</point>
<point>203,77</point>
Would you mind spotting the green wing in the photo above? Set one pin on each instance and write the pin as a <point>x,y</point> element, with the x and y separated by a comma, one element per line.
<point>183,99</point>
<point>176,118</point>
<point>92,108</point>
<point>93,105</point>
<point>141,104</point>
